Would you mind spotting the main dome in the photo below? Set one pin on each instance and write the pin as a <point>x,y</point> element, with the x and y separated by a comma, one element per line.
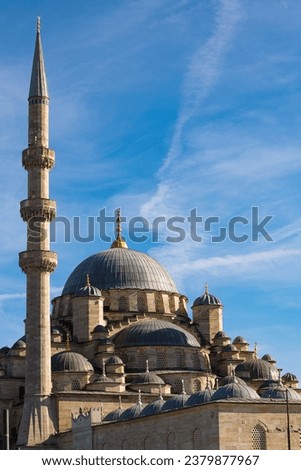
<point>120,268</point>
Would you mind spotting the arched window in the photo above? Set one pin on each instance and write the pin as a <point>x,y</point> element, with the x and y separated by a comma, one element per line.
<point>123,304</point>
<point>196,385</point>
<point>171,441</point>
<point>21,392</point>
<point>158,303</point>
<point>259,438</point>
<point>197,439</point>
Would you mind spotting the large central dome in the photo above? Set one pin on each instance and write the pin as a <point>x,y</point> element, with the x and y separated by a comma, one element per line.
<point>120,268</point>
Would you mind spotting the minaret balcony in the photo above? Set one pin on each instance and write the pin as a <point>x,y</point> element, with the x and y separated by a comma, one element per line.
<point>38,157</point>
<point>38,207</point>
<point>37,261</point>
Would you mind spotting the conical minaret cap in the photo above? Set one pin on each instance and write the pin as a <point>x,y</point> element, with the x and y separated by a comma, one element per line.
<point>38,82</point>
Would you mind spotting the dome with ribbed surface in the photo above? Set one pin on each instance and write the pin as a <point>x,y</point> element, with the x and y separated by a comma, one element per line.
<point>279,393</point>
<point>148,378</point>
<point>153,408</point>
<point>203,396</point>
<point>289,377</point>
<point>153,332</point>
<point>133,412</point>
<point>206,299</point>
<point>114,415</point>
<point>176,402</point>
<point>120,268</point>
<point>257,369</point>
<point>71,362</point>
<point>234,389</point>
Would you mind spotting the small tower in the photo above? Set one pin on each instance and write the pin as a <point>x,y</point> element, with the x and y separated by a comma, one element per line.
<point>208,315</point>
<point>37,262</point>
<point>87,312</point>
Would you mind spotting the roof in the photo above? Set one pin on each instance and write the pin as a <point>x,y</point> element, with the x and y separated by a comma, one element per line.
<point>234,389</point>
<point>153,408</point>
<point>71,362</point>
<point>153,332</point>
<point>257,369</point>
<point>176,402</point>
<point>206,299</point>
<point>120,268</point>
<point>148,378</point>
<point>38,83</point>
<point>200,397</point>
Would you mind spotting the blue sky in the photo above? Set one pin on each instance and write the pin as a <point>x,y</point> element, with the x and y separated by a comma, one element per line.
<point>160,107</point>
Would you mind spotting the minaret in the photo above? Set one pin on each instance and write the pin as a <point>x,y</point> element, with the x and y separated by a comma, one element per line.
<point>37,262</point>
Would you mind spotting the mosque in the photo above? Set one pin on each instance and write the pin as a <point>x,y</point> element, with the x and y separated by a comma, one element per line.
<point>120,363</point>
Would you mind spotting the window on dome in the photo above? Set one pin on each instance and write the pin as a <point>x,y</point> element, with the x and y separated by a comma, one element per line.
<point>258,438</point>
<point>177,386</point>
<point>158,303</point>
<point>161,359</point>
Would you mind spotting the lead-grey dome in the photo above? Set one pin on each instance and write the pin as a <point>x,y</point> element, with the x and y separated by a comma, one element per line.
<point>120,268</point>
<point>199,397</point>
<point>233,389</point>
<point>71,362</point>
<point>153,332</point>
<point>257,369</point>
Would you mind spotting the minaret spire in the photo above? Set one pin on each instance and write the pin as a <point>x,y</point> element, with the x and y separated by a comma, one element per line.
<point>37,262</point>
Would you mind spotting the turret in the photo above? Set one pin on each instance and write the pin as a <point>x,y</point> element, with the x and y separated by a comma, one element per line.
<point>208,315</point>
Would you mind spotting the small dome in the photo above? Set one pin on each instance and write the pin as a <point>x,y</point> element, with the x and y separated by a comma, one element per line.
<point>176,402</point>
<point>114,415</point>
<point>279,393</point>
<point>230,347</point>
<point>70,362</point>
<point>55,331</point>
<point>257,369</point>
<point>132,412</point>
<point>100,329</point>
<point>20,344</point>
<point>148,378</point>
<point>101,379</point>
<point>268,358</point>
<point>240,340</point>
<point>221,334</point>
<point>23,339</point>
<point>153,332</point>
<point>153,408</point>
<point>230,379</point>
<point>4,351</point>
<point>206,299</point>
<point>114,360</point>
<point>289,377</point>
<point>235,390</point>
<point>87,291</point>
<point>202,396</point>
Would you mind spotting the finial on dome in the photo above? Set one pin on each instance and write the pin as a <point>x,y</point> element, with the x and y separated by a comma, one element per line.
<point>256,350</point>
<point>147,367</point>
<point>139,397</point>
<point>88,280</point>
<point>103,368</point>
<point>206,288</point>
<point>120,403</point>
<point>38,24</point>
<point>160,392</point>
<point>119,242</point>
<point>183,387</point>
<point>68,342</point>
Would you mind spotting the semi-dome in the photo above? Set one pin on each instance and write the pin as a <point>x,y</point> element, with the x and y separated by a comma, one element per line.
<point>132,412</point>
<point>233,389</point>
<point>71,362</point>
<point>257,369</point>
<point>154,332</point>
<point>120,268</point>
<point>114,415</point>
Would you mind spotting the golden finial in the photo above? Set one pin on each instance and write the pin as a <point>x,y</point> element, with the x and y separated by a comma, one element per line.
<point>38,24</point>
<point>119,242</point>
<point>67,342</point>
